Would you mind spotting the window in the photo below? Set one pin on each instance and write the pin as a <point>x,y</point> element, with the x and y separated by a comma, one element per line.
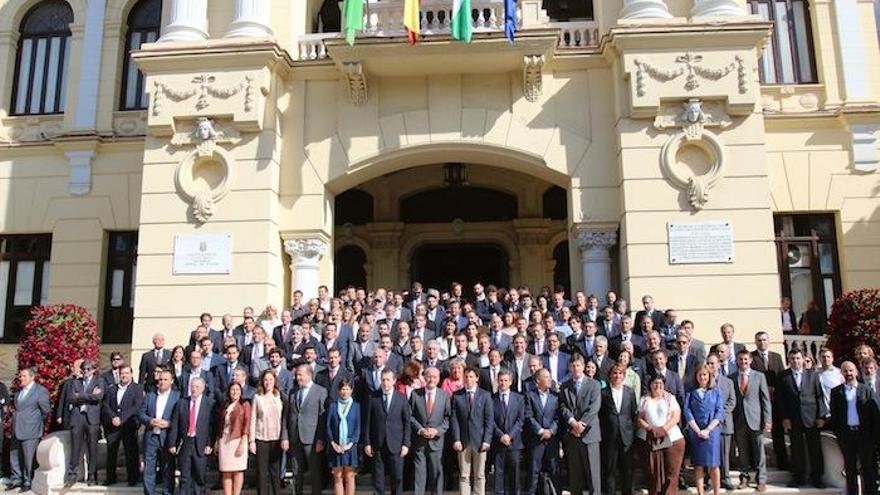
<point>808,265</point>
<point>143,27</point>
<point>119,287</point>
<point>24,280</point>
<point>468,203</point>
<point>788,58</point>
<point>43,53</point>
<point>353,206</point>
<point>555,203</point>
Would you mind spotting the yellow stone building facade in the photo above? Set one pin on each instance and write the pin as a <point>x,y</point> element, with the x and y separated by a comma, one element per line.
<point>136,134</point>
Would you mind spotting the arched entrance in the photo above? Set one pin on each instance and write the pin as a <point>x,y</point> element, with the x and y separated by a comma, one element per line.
<point>351,268</point>
<point>438,265</point>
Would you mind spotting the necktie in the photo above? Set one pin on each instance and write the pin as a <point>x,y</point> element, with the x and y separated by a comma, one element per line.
<point>470,400</point>
<point>681,366</point>
<point>797,379</point>
<point>191,429</point>
<point>539,347</point>
<point>724,369</point>
<point>387,401</point>
<point>228,372</point>
<point>430,404</point>
<point>743,382</point>
<point>332,374</point>
<point>22,394</point>
<point>577,387</point>
<point>158,355</point>
<point>543,400</point>
<point>589,346</point>
<point>302,397</point>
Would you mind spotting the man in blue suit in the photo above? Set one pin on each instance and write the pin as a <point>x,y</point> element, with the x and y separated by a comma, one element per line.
<point>685,360</point>
<point>472,428</point>
<point>542,425</point>
<point>225,373</point>
<point>508,409</point>
<point>195,370</point>
<point>387,433</point>
<point>191,437</point>
<point>556,360</point>
<point>673,383</point>
<point>155,415</point>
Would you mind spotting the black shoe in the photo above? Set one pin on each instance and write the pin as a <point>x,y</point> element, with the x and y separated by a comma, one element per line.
<point>91,482</point>
<point>24,488</point>
<point>132,483</point>
<point>69,483</point>
<point>12,486</point>
<point>727,485</point>
<point>682,484</point>
<point>819,484</point>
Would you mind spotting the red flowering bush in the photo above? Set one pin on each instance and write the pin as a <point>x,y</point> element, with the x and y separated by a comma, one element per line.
<point>54,337</point>
<point>854,320</point>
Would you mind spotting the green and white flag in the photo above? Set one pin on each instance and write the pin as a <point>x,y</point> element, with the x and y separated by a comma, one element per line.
<point>352,19</point>
<point>462,23</point>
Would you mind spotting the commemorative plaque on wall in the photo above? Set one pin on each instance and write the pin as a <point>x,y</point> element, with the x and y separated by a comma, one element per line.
<point>202,254</point>
<point>703,242</point>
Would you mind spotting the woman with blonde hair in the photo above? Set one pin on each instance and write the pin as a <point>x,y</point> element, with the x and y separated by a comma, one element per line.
<point>703,413</point>
<point>270,319</point>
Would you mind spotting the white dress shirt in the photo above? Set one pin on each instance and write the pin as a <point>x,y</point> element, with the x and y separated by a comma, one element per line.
<point>161,402</point>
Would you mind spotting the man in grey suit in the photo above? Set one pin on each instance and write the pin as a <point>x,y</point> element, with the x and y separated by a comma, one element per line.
<point>302,431</point>
<point>84,406</point>
<point>752,417</point>
<point>31,404</point>
<point>430,420</point>
<point>472,428</point>
<point>580,401</point>
<point>728,396</point>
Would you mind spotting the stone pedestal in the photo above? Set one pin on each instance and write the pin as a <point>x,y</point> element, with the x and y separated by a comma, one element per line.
<point>595,247</point>
<point>644,9</point>
<point>305,255</point>
<point>251,19</point>
<point>52,455</point>
<point>188,21</point>
<point>717,8</point>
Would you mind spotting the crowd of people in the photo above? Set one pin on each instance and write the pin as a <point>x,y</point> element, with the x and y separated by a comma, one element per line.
<point>429,389</point>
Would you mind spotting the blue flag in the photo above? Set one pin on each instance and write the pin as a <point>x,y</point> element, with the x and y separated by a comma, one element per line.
<point>510,19</point>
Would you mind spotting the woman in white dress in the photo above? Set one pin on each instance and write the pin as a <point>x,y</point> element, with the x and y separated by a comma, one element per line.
<point>661,438</point>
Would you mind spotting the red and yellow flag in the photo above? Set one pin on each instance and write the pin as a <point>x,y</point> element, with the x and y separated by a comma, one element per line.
<point>411,20</point>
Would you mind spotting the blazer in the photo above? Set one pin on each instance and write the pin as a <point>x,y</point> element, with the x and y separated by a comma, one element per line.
<point>148,412</point>
<point>389,427</point>
<point>508,420</point>
<point>352,421</point>
<point>618,426</point>
<point>613,331</point>
<point>437,419</point>
<point>183,383</point>
<point>656,316</point>
<point>638,343</point>
<point>108,379</point>
<point>561,366</point>
<point>240,419</point>
<point>281,343</point>
<point>206,428</point>
<point>703,411</point>
<point>126,411</point>
<point>222,377</point>
<point>148,365</point>
<point>332,386</point>
<point>869,415</point>
<point>62,412</point>
<point>605,367</point>
<point>90,397</point>
<point>583,407</point>
<point>472,424</point>
<point>752,407</point>
<point>304,424</point>
<point>692,361</point>
<point>361,353</point>
<point>801,405</point>
<point>674,384</point>
<point>539,418</point>
<point>518,374</point>
<point>30,413</point>
<point>725,386</point>
<point>500,341</point>
<point>772,369</point>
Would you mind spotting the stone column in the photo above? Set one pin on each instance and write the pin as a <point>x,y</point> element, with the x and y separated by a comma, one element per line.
<point>188,21</point>
<point>595,247</point>
<point>305,255</point>
<point>717,8</point>
<point>85,117</point>
<point>644,9</point>
<point>251,19</point>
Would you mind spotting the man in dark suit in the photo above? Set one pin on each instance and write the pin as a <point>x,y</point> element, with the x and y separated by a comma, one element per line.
<point>472,427</point>
<point>752,417</point>
<point>150,359</point>
<point>772,365</point>
<point>370,379</point>
<point>508,408</point>
<point>155,414</point>
<point>728,396</point>
<point>31,406</point>
<point>229,330</point>
<point>470,359</point>
<point>84,405</point>
<point>62,414</point>
<point>436,313</point>
<point>303,431</point>
<point>854,421</point>
<point>626,335</point>
<point>542,425</point>
<point>517,361</point>
<point>727,337</point>
<point>333,374</point>
<point>282,333</point>
<point>685,360</point>
<point>122,402</point>
<point>649,310</point>
<point>332,340</point>
<point>225,373</point>
<point>191,436</point>
<point>430,421</point>
<point>803,416</point>
<point>387,433</point>
<point>617,417</point>
<point>194,370</point>
<point>609,324</point>
<point>579,409</point>
<point>111,376</point>
<point>603,361</point>
<point>556,360</point>
<point>211,356</point>
<point>674,384</point>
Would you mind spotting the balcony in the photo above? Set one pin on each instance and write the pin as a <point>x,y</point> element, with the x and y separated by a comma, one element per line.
<point>384,19</point>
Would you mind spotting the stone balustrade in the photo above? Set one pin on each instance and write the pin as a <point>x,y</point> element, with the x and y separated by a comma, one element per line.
<point>809,344</point>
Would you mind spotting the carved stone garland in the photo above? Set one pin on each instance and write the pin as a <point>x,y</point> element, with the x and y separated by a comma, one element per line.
<point>692,121</point>
<point>203,87</point>
<point>204,137</point>
<point>356,81</point>
<point>533,67</point>
<point>691,65</point>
